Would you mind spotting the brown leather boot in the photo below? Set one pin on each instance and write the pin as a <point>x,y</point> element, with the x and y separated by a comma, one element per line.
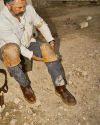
<point>28,94</point>
<point>65,95</point>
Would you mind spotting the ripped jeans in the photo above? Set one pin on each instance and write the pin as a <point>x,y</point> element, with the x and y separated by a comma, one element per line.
<point>53,68</point>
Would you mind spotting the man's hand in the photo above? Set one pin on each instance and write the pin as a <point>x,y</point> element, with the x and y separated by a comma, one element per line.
<point>52,43</point>
<point>37,58</point>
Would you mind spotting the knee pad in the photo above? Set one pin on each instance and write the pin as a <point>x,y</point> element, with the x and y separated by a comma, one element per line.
<point>10,54</point>
<point>48,52</point>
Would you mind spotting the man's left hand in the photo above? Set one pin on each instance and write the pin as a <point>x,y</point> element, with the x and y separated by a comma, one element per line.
<point>52,43</point>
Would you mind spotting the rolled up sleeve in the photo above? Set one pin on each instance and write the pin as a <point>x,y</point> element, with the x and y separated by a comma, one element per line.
<point>41,25</point>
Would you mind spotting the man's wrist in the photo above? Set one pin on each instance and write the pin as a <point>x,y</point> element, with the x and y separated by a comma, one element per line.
<point>51,40</point>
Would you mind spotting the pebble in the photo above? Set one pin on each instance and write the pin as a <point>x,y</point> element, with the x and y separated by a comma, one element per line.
<point>84,118</point>
<point>14,110</point>
<point>26,123</point>
<point>27,106</point>
<point>25,117</point>
<point>21,107</point>
<point>89,17</point>
<point>32,123</point>
<point>13,122</point>
<point>47,119</point>
<point>7,113</point>
<point>65,109</point>
<point>45,80</point>
<point>61,107</point>
<point>83,24</point>
<point>70,82</point>
<point>28,111</point>
<point>84,73</point>
<point>34,114</point>
<point>59,113</point>
<point>44,91</point>
<point>79,123</point>
<point>17,100</point>
<point>2,108</point>
<point>96,51</point>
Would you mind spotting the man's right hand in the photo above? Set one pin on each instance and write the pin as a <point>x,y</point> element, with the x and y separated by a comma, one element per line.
<point>34,57</point>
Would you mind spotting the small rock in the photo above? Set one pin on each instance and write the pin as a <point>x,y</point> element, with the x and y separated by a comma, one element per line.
<point>28,111</point>
<point>26,123</point>
<point>44,91</point>
<point>45,80</point>
<point>84,118</point>
<point>7,113</point>
<point>47,119</point>
<point>83,24</point>
<point>79,123</point>
<point>70,82</point>
<point>25,117</point>
<point>59,113</point>
<point>79,69</point>
<point>65,109</point>
<point>20,107</point>
<point>17,100</point>
<point>27,106</point>
<point>34,114</point>
<point>32,123</point>
<point>89,17</point>
<point>14,110</point>
<point>13,122</point>
<point>84,73</point>
<point>96,51</point>
<point>61,107</point>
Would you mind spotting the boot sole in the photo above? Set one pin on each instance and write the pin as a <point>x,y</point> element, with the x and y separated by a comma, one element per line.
<point>29,101</point>
<point>70,104</point>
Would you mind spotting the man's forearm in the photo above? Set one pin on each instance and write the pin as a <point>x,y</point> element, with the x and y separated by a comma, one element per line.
<point>45,31</point>
<point>34,57</point>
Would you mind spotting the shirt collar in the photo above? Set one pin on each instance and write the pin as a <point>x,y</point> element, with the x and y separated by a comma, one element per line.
<point>8,15</point>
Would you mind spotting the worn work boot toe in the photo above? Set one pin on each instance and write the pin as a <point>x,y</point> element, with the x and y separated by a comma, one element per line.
<point>65,95</point>
<point>28,94</point>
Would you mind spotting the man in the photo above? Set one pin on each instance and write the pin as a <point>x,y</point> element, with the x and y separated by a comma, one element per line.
<point>16,26</point>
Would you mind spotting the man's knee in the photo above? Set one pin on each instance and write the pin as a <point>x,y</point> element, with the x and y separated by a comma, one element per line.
<point>48,52</point>
<point>10,54</point>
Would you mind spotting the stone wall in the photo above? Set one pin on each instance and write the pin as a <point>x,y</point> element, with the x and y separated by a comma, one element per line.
<point>39,3</point>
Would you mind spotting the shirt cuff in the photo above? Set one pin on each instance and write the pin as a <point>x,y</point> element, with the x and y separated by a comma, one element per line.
<point>28,54</point>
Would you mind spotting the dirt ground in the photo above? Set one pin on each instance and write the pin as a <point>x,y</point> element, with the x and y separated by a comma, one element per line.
<point>78,51</point>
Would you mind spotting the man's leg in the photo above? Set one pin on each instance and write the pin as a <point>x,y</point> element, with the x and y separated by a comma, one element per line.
<point>59,83</point>
<point>20,77</point>
<point>56,76</point>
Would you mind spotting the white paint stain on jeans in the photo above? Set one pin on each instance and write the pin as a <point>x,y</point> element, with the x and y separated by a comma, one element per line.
<point>59,81</point>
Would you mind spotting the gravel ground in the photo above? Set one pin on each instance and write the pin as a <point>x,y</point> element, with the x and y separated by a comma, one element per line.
<point>78,51</point>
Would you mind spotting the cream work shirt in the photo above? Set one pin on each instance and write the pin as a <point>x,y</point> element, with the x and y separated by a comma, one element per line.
<point>20,32</point>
